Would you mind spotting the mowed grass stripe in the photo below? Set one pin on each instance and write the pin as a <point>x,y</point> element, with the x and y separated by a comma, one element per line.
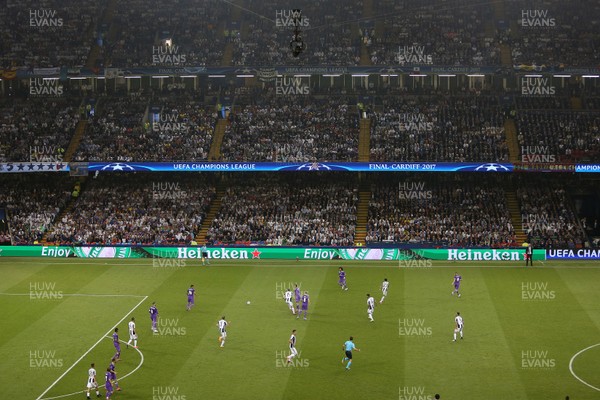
<point>541,318</point>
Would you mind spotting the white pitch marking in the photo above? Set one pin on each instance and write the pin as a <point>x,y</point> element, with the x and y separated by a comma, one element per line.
<point>90,349</point>
<point>120,379</point>
<point>571,366</point>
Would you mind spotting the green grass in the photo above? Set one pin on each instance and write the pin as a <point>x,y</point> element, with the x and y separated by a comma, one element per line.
<point>499,326</point>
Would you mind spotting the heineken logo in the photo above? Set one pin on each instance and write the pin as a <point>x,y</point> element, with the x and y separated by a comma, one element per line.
<point>484,255</point>
<point>219,253</point>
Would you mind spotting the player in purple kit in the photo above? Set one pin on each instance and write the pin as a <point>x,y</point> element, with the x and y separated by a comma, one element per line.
<point>297,296</point>
<point>305,300</point>
<point>117,345</point>
<point>154,316</point>
<point>342,280</point>
<point>191,294</point>
<point>113,374</point>
<point>108,384</point>
<point>456,282</point>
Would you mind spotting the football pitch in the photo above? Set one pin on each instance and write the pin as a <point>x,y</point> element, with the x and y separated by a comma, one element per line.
<point>529,333</point>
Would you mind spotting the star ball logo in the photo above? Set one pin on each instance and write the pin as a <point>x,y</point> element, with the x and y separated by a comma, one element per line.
<point>118,167</point>
<point>314,166</point>
<point>489,167</point>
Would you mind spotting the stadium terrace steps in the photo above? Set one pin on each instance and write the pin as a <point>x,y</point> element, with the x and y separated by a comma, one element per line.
<point>512,203</point>
<point>505,55</point>
<point>576,103</point>
<point>75,140</point>
<point>362,218</point>
<point>364,140</point>
<point>214,153</point>
<point>106,19</point>
<point>213,209</point>
<point>510,130</point>
<point>65,211</point>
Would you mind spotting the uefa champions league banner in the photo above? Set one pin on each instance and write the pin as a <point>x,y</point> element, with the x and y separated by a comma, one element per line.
<point>573,254</point>
<point>311,166</point>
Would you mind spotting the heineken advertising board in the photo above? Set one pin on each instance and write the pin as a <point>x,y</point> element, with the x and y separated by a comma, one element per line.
<point>271,253</point>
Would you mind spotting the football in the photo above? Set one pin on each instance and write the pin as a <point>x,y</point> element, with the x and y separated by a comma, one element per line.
<point>248,302</point>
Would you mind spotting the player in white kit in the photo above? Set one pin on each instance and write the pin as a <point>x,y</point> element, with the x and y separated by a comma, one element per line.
<point>132,334</point>
<point>293,351</point>
<point>91,382</point>
<point>222,324</point>
<point>288,300</point>
<point>370,307</point>
<point>458,320</point>
<point>384,289</point>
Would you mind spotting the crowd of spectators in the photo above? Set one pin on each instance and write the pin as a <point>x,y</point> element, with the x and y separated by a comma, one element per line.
<point>555,33</point>
<point>448,35</point>
<point>293,129</point>
<point>132,210</point>
<point>32,202</point>
<point>440,128</point>
<point>47,33</point>
<point>174,127</point>
<point>547,216</point>
<point>287,210</point>
<point>36,129</point>
<point>325,28</point>
<point>567,135</point>
<point>196,30</point>
<point>439,211</point>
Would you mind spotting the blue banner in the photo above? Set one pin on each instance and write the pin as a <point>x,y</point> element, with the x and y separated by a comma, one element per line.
<point>312,166</point>
<point>573,254</point>
<point>587,168</point>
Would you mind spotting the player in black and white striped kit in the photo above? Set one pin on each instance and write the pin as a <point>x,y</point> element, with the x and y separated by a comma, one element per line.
<point>222,324</point>
<point>293,351</point>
